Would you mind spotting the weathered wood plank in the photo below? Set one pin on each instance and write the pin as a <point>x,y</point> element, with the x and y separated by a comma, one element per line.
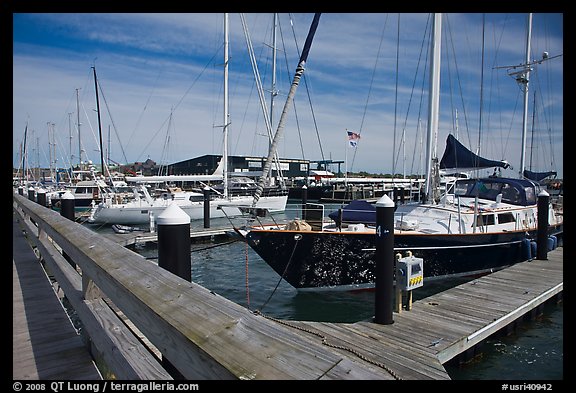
<point>45,344</point>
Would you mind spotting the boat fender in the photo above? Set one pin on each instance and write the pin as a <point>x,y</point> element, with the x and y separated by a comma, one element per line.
<point>526,250</point>
<point>551,243</point>
<point>534,248</point>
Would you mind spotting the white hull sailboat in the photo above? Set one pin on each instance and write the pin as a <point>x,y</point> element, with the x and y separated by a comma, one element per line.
<point>142,209</point>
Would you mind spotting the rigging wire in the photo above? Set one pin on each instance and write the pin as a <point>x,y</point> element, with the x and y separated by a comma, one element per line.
<point>307,93</point>
<point>394,158</point>
<point>372,83</point>
<point>451,41</point>
<point>112,121</point>
<point>179,102</point>
<point>145,107</point>
<point>424,48</point>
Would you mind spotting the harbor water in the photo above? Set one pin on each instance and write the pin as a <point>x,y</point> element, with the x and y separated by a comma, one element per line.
<point>534,351</point>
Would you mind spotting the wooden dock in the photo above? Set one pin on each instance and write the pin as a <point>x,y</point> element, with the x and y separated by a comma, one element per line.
<point>206,336</point>
<point>450,323</point>
<point>45,344</point>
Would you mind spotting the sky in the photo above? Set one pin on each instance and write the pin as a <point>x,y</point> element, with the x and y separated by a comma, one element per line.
<point>161,76</point>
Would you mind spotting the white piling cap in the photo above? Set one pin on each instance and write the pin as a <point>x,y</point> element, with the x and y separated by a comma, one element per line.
<point>41,191</point>
<point>173,215</point>
<point>385,201</point>
<point>67,195</point>
<point>543,193</point>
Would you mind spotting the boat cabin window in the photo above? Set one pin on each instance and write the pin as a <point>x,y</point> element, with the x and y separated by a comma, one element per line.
<point>513,192</point>
<point>485,219</point>
<point>531,193</point>
<point>503,218</point>
<point>510,194</point>
<point>83,190</point>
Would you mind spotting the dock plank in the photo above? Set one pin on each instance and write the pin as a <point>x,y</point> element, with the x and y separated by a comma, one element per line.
<point>45,343</point>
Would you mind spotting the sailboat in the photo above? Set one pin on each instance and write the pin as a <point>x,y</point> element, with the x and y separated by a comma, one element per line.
<point>478,226</point>
<point>139,209</point>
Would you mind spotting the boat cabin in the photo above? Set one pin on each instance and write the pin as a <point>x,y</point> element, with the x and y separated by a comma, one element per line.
<point>514,191</point>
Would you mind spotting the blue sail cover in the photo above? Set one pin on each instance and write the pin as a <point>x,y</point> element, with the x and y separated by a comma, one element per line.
<point>357,211</point>
<point>457,155</point>
<point>537,176</point>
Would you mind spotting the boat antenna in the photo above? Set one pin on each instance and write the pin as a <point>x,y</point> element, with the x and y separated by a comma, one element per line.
<point>521,72</point>
<point>291,93</point>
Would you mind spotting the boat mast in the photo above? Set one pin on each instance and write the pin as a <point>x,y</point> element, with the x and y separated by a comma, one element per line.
<point>525,78</point>
<point>24,153</point>
<point>291,93</point>
<point>226,114</point>
<point>273,91</point>
<point>78,121</point>
<point>99,123</point>
<point>434,97</point>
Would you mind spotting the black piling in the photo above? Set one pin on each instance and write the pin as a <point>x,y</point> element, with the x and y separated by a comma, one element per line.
<point>384,286</point>
<point>173,226</point>
<point>32,194</point>
<point>67,205</point>
<point>41,197</point>
<point>304,200</point>
<point>542,234</point>
<point>21,190</point>
<point>206,207</point>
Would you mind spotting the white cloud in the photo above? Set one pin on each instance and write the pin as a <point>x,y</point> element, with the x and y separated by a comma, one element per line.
<point>149,64</point>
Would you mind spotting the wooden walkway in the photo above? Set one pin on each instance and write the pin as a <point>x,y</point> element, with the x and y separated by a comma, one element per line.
<point>45,343</point>
<point>447,324</point>
<point>211,337</point>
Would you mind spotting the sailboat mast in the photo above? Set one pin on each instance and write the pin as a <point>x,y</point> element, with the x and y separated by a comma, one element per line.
<point>99,123</point>
<point>434,97</point>
<point>226,113</point>
<point>525,81</point>
<point>273,91</point>
<point>24,152</point>
<point>79,139</point>
<point>295,81</point>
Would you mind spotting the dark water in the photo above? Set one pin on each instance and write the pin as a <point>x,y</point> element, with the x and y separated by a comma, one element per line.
<point>533,352</point>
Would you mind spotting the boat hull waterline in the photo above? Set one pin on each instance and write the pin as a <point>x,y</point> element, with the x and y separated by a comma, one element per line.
<point>139,213</point>
<point>320,260</point>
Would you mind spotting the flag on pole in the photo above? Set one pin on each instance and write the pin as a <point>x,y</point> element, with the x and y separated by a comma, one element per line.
<point>353,138</point>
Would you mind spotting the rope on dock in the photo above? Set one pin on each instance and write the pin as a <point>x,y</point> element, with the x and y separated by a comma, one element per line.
<point>325,342</point>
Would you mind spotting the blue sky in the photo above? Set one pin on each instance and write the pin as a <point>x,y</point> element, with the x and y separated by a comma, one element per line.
<point>161,86</point>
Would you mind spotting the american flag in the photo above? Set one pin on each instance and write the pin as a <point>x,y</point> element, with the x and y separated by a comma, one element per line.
<point>353,138</point>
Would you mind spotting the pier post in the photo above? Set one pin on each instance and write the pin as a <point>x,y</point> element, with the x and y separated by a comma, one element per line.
<point>384,260</point>
<point>67,205</point>
<point>41,197</point>
<point>152,222</point>
<point>304,200</point>
<point>173,226</point>
<point>174,253</point>
<point>206,207</point>
<point>542,234</point>
<point>31,194</point>
<point>21,190</point>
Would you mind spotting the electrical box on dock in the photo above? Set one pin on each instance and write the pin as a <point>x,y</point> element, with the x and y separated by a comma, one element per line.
<point>409,273</point>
